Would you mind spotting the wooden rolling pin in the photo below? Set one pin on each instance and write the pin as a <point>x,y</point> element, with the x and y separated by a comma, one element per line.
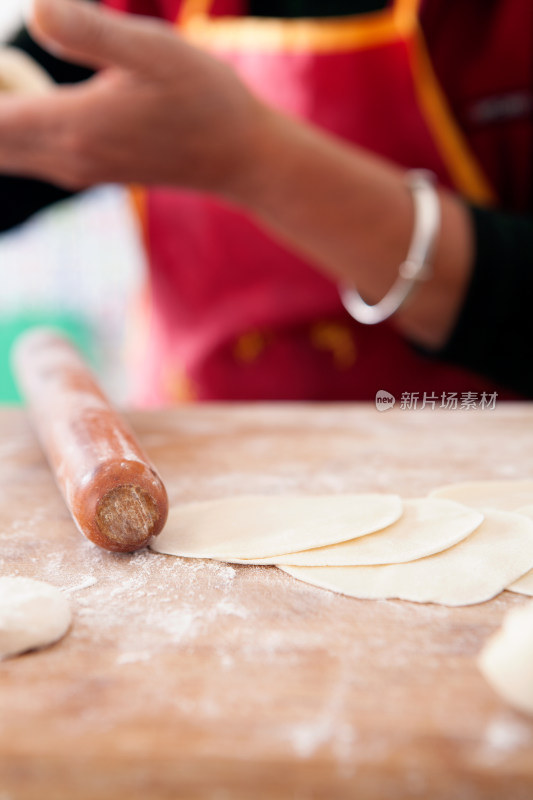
<point>112,491</point>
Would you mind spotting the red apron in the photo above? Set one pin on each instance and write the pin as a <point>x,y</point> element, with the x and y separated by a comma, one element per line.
<point>234,315</point>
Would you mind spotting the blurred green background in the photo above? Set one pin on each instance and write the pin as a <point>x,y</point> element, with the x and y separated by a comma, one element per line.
<point>77,329</point>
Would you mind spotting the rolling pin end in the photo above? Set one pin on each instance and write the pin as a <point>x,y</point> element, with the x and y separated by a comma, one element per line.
<point>127,517</point>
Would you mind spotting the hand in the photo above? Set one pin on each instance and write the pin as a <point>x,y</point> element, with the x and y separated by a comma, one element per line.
<point>159,111</point>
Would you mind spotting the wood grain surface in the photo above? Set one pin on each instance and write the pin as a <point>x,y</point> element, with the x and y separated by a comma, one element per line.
<point>192,679</point>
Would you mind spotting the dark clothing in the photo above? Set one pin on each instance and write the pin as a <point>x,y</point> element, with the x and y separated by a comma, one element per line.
<point>494,331</point>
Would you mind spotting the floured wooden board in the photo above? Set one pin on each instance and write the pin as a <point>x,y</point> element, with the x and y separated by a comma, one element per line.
<point>195,679</point>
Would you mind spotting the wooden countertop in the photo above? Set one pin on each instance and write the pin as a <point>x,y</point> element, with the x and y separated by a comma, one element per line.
<point>192,679</point>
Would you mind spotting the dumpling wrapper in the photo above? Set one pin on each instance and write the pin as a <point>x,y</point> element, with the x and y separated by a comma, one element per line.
<point>506,661</point>
<point>473,571</point>
<point>501,495</point>
<point>258,526</point>
<point>524,585</point>
<point>427,526</point>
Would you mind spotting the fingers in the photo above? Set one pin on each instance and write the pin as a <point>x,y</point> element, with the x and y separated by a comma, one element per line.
<point>93,35</point>
<point>35,140</point>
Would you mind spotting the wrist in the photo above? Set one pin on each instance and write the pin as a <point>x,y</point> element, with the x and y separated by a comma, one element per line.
<point>257,160</point>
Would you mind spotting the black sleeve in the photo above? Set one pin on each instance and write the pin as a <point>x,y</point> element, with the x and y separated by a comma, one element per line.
<point>494,331</point>
<point>22,197</point>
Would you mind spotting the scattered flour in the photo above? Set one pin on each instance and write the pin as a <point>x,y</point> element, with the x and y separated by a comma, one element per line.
<point>84,584</point>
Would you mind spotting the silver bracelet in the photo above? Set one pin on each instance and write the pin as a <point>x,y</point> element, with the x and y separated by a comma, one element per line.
<point>417,265</point>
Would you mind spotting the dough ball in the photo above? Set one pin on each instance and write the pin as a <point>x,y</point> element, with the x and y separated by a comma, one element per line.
<point>32,614</point>
<point>507,659</point>
<point>20,73</point>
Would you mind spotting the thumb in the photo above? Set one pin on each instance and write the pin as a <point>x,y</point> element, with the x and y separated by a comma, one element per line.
<point>79,31</point>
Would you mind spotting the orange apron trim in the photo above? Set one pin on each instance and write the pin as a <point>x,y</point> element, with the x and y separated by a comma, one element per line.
<point>294,35</point>
<point>301,35</point>
<point>462,164</point>
<point>192,8</point>
<point>400,21</point>
<point>138,202</point>
<point>305,33</point>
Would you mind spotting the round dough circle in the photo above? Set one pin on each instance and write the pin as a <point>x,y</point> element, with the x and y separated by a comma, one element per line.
<point>476,569</point>
<point>428,525</point>
<point>258,526</point>
<point>506,661</point>
<point>502,495</point>
<point>32,614</point>
<point>21,74</point>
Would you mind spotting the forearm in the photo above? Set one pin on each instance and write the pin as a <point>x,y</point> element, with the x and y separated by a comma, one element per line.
<point>351,214</point>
